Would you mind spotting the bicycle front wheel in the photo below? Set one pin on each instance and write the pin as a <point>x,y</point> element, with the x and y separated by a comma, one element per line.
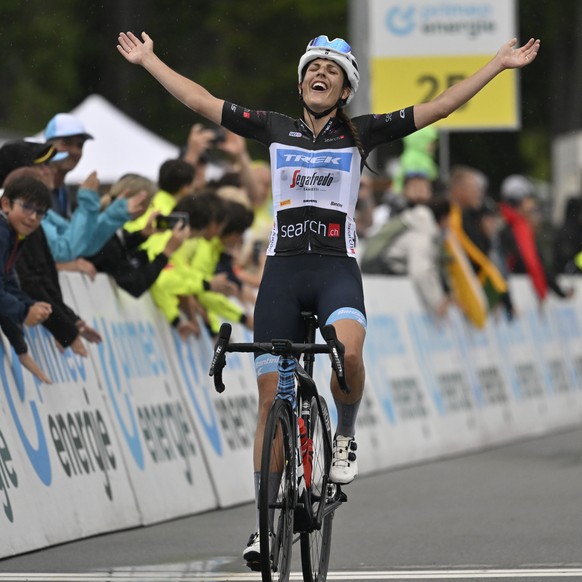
<point>277,494</point>
<point>316,544</point>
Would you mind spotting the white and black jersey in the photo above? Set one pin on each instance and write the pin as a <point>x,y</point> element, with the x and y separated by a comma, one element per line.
<point>315,180</point>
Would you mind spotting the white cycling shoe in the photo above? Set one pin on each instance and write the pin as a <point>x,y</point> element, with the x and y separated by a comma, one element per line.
<point>252,553</point>
<point>344,465</point>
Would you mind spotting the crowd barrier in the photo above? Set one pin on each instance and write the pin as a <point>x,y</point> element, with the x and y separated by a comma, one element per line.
<point>135,433</point>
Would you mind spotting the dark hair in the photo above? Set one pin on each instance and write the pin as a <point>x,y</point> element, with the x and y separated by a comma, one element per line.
<point>202,208</point>
<point>355,135</point>
<point>440,206</point>
<point>227,179</point>
<point>28,189</point>
<point>238,218</point>
<point>174,175</point>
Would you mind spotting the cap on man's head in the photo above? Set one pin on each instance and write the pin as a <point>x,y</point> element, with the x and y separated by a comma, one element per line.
<point>16,154</point>
<point>516,187</point>
<point>65,125</point>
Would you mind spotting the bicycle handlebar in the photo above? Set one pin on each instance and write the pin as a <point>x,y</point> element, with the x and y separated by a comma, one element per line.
<point>333,347</point>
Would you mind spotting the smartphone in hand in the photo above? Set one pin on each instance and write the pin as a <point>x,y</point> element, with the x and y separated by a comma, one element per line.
<point>169,222</point>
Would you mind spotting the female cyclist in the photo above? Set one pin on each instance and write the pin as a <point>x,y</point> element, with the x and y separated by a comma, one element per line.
<point>316,163</point>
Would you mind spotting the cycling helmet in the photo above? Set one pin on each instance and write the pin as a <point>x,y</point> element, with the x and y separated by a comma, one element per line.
<point>336,50</point>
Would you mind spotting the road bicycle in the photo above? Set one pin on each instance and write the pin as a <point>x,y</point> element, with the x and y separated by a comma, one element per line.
<point>297,500</point>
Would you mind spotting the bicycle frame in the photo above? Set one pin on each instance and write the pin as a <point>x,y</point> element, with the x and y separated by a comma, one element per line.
<point>295,387</point>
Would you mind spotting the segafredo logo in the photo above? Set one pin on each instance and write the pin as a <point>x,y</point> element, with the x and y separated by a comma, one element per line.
<point>329,160</point>
<point>310,181</point>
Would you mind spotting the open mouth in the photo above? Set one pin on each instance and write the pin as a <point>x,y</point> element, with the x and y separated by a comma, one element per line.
<point>319,86</point>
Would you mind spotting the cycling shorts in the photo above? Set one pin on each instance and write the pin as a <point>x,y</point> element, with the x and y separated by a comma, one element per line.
<point>329,286</point>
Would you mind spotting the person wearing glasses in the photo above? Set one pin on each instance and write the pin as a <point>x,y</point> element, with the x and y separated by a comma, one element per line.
<point>23,205</point>
<point>316,162</point>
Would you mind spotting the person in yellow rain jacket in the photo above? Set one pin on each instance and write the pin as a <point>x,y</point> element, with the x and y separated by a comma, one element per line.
<point>190,270</point>
<point>175,180</point>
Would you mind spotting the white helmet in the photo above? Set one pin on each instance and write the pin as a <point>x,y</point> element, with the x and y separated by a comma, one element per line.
<point>336,50</point>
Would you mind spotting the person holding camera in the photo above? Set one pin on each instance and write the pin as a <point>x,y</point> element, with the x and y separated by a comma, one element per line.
<point>121,256</point>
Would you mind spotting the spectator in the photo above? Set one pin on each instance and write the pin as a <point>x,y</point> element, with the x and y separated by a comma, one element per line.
<point>568,240</point>
<point>121,258</point>
<point>178,279</point>
<point>15,154</point>
<point>490,224</point>
<point>253,253</point>
<point>417,156</point>
<point>24,203</point>
<point>68,134</point>
<point>521,211</point>
<point>411,243</point>
<point>416,189</point>
<point>175,180</point>
<point>364,216</point>
<point>467,188</point>
<point>38,277</point>
<point>77,228</point>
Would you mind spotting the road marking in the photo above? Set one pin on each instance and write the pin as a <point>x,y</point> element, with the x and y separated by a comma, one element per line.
<point>161,574</point>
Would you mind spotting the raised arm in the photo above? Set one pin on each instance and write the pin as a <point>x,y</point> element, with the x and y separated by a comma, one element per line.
<point>194,96</point>
<point>454,97</point>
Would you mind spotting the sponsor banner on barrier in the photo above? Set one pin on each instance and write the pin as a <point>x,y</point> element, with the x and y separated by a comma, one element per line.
<point>393,377</point>
<point>156,434</point>
<point>136,433</point>
<point>226,422</point>
<point>20,504</point>
<point>60,459</point>
<point>552,328</point>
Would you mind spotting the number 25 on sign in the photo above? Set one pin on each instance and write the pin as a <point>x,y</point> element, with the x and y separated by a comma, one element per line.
<point>403,81</point>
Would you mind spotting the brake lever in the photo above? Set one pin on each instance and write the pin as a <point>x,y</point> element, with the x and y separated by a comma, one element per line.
<point>219,359</point>
<point>336,355</point>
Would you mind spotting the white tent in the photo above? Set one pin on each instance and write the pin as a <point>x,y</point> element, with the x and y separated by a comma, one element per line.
<point>121,145</point>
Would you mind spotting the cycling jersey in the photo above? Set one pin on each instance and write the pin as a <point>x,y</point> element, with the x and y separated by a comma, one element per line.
<point>315,179</point>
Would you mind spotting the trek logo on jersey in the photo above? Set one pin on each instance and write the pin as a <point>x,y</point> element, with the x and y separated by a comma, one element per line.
<point>329,160</point>
<point>301,181</point>
<point>331,230</point>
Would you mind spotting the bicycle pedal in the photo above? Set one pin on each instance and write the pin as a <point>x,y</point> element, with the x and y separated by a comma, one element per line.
<point>254,565</point>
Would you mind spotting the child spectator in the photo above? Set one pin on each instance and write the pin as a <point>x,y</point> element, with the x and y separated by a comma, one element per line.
<point>121,258</point>
<point>39,278</point>
<point>23,205</point>
<point>181,279</point>
<point>175,180</point>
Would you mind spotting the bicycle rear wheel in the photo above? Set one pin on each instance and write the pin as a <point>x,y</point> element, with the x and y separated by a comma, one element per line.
<point>276,494</point>
<point>316,544</point>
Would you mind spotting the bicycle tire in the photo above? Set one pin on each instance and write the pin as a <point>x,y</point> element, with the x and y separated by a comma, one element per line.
<point>316,544</point>
<point>278,455</point>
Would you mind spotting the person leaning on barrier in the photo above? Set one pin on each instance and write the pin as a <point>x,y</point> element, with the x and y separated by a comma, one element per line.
<point>178,285</point>
<point>75,228</point>
<point>467,189</point>
<point>36,266</point>
<point>521,211</point>
<point>121,257</point>
<point>411,243</point>
<point>39,278</point>
<point>23,205</point>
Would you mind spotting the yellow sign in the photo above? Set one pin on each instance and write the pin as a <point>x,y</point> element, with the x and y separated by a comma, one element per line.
<point>403,81</point>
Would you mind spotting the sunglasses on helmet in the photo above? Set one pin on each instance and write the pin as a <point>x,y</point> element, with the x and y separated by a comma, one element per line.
<point>337,44</point>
